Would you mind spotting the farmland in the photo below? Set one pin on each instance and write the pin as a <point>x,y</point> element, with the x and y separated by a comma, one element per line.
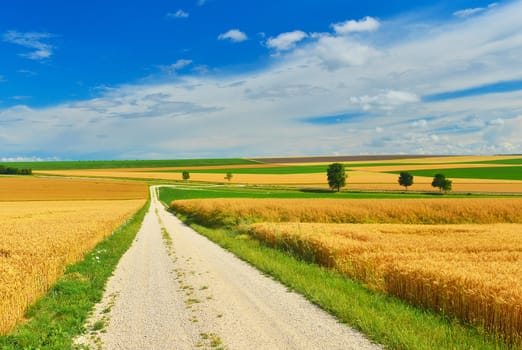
<point>47,224</point>
<point>400,243</point>
<point>485,174</point>
<point>457,256</point>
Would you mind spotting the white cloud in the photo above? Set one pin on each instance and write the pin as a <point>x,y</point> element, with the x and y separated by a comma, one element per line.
<point>279,109</point>
<point>473,11</point>
<point>468,12</point>
<point>385,101</point>
<point>181,63</point>
<point>31,40</point>
<point>286,41</point>
<point>201,2</point>
<point>367,24</point>
<point>2,79</point>
<point>336,52</point>
<point>27,159</point>
<point>234,35</point>
<point>178,14</point>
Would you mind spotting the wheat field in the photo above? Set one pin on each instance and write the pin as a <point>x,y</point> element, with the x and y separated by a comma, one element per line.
<point>400,211</point>
<point>38,239</point>
<point>34,188</point>
<point>461,257</point>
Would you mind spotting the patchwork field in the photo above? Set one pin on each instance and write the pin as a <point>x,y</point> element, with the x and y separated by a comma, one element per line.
<point>46,224</point>
<point>500,174</point>
<point>461,257</point>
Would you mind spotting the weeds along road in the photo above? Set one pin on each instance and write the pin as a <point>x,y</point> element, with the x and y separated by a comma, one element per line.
<point>174,289</point>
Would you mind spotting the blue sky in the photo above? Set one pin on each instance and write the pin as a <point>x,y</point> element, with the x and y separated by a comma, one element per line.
<point>216,78</point>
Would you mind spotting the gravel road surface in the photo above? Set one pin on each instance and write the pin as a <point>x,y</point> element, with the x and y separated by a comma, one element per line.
<point>174,289</point>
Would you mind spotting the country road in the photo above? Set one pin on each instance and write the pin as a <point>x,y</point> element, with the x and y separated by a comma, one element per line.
<point>174,289</point>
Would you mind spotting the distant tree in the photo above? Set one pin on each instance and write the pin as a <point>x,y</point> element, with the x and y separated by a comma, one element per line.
<point>442,183</point>
<point>405,179</point>
<point>228,176</point>
<point>336,176</point>
<point>185,175</point>
<point>14,171</point>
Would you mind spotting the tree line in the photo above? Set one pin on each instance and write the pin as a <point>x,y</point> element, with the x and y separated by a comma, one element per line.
<point>336,175</point>
<point>8,170</point>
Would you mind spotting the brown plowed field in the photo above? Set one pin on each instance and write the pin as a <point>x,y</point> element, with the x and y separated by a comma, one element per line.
<point>324,159</point>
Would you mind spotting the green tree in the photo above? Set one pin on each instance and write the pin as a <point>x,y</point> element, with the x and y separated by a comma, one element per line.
<point>228,176</point>
<point>405,179</point>
<point>442,183</point>
<point>336,176</point>
<point>185,175</point>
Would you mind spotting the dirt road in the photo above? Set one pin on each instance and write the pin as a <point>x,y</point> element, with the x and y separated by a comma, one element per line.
<point>174,289</point>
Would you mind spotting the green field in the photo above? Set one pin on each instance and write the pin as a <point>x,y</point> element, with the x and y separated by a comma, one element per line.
<point>109,164</point>
<point>493,173</point>
<point>500,161</point>
<point>168,194</point>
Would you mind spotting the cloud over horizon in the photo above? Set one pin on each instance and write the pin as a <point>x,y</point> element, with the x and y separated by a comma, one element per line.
<point>348,90</point>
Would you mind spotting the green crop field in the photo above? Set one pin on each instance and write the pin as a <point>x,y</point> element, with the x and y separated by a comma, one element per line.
<point>493,173</point>
<point>109,164</point>
<point>500,161</point>
<point>168,194</point>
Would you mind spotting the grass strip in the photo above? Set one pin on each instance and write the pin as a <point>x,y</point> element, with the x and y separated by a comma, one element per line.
<point>59,316</point>
<point>384,319</point>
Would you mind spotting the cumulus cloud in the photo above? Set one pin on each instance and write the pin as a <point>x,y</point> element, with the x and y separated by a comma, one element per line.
<point>367,24</point>
<point>261,112</point>
<point>234,35</point>
<point>178,14</point>
<point>336,52</point>
<point>286,41</point>
<point>31,40</point>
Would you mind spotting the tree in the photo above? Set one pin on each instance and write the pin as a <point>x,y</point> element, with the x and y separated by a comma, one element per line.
<point>405,179</point>
<point>336,176</point>
<point>441,182</point>
<point>228,176</point>
<point>185,175</point>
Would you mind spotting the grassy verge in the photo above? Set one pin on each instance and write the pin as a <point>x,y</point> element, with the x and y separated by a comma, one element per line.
<point>384,319</point>
<point>58,317</point>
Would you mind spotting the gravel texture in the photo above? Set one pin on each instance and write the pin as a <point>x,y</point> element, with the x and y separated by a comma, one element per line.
<point>174,289</point>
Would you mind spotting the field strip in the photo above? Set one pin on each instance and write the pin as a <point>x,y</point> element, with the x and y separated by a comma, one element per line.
<point>385,168</point>
<point>193,294</point>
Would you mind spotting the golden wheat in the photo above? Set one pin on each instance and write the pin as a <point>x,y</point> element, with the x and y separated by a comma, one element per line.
<point>473,272</point>
<point>38,239</point>
<point>410,211</point>
<point>460,256</point>
<point>34,188</point>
